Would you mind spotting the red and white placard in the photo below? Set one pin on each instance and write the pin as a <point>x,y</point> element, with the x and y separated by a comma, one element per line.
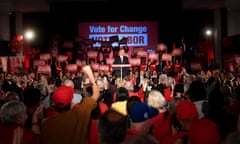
<point>161,47</point>
<point>62,58</point>
<point>103,67</point>
<point>92,54</point>
<point>153,56</point>
<point>16,62</point>
<point>196,66</point>
<point>44,69</point>
<point>95,66</point>
<point>109,61</point>
<point>45,56</point>
<point>135,61</point>
<point>142,53</point>
<point>166,57</point>
<point>177,52</point>
<point>38,62</point>
<point>71,67</point>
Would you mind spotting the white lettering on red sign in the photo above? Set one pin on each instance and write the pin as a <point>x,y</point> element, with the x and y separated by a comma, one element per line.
<point>38,62</point>
<point>62,58</point>
<point>45,56</point>
<point>92,54</point>
<point>166,57</point>
<point>135,61</point>
<point>44,69</point>
<point>72,67</point>
<point>109,61</point>
<point>153,56</point>
<point>142,53</point>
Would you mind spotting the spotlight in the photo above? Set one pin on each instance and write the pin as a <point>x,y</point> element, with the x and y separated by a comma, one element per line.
<point>208,32</point>
<point>29,35</point>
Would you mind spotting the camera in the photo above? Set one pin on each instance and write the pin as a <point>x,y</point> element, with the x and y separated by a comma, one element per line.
<point>149,88</point>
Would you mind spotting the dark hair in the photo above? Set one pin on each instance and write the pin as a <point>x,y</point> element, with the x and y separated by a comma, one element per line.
<point>142,139</point>
<point>11,96</point>
<point>59,107</point>
<point>58,82</point>
<point>112,127</point>
<point>122,94</point>
<point>155,80</point>
<point>179,88</point>
<point>87,90</point>
<point>175,122</point>
<point>51,80</point>
<point>197,91</point>
<point>77,83</point>
<point>132,100</point>
<point>31,96</point>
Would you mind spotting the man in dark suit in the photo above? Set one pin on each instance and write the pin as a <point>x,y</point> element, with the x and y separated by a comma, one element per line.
<point>121,59</point>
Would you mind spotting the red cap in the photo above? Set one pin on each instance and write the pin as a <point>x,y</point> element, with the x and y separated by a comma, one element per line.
<point>186,110</point>
<point>204,131</point>
<point>64,95</point>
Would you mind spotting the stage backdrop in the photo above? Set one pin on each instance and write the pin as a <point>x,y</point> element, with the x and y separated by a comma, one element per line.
<point>138,34</point>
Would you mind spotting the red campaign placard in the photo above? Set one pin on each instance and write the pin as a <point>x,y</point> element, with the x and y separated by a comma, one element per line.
<point>62,58</point>
<point>92,54</point>
<point>161,47</point>
<point>109,61</point>
<point>135,61</point>
<point>166,57</point>
<point>142,53</point>
<point>16,62</point>
<point>58,68</point>
<point>95,66</point>
<point>72,67</point>
<point>153,56</point>
<point>38,62</point>
<point>44,69</point>
<point>195,66</point>
<point>104,67</point>
<point>177,52</point>
<point>45,56</point>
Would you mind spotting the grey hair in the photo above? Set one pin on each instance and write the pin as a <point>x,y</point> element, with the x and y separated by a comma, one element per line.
<point>11,111</point>
<point>68,82</point>
<point>156,99</point>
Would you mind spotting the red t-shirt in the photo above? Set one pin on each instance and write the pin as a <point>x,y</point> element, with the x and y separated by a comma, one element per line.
<point>162,129</point>
<point>7,135</point>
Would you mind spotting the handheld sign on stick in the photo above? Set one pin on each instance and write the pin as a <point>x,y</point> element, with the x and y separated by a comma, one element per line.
<point>87,69</point>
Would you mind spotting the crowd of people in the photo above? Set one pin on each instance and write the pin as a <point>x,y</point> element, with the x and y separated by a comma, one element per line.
<point>171,106</point>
